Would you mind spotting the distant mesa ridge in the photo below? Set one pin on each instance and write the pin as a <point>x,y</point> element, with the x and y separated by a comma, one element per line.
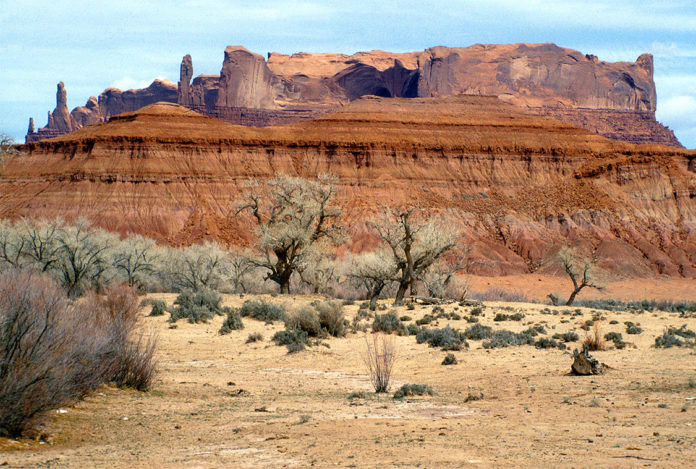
<point>616,100</point>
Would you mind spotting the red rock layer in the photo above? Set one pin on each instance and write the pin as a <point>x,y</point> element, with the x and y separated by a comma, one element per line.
<point>518,185</point>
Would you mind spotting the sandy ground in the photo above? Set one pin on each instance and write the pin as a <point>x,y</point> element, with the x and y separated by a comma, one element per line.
<point>219,402</point>
<point>536,288</point>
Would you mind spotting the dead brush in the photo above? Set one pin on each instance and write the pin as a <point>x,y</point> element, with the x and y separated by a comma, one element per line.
<point>379,357</point>
<point>595,340</point>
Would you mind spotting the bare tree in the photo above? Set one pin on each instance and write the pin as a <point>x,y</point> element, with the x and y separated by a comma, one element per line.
<point>41,242</point>
<point>292,214</point>
<point>136,258</point>
<point>12,245</point>
<point>380,356</point>
<point>197,267</point>
<point>373,271</point>
<point>84,257</point>
<point>240,268</point>
<point>415,245</point>
<point>581,270</point>
<point>439,276</point>
<point>319,271</point>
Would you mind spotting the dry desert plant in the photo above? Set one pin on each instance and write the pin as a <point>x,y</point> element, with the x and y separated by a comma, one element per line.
<point>595,341</point>
<point>380,356</point>
<point>53,351</point>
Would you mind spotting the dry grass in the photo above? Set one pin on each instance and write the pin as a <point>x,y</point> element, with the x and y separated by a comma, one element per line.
<point>595,340</point>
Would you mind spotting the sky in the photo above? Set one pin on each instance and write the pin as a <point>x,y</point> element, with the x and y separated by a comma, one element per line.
<point>93,45</point>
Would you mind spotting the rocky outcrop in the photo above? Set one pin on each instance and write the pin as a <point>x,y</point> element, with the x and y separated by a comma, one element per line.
<point>552,80</point>
<point>538,75</point>
<point>184,87</point>
<point>516,184</point>
<point>114,101</point>
<point>88,114</point>
<point>245,80</point>
<point>60,117</point>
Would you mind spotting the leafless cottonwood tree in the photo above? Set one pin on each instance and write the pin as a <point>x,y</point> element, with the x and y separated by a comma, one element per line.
<point>415,245</point>
<point>581,270</point>
<point>373,271</point>
<point>292,215</point>
<point>196,267</point>
<point>136,259</point>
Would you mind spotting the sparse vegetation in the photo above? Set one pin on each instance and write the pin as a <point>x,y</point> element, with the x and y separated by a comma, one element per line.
<point>380,357</point>
<point>196,307</point>
<point>159,307</point>
<point>389,323</point>
<point>567,337</point>
<point>254,337</point>
<point>446,338</point>
<point>581,270</point>
<point>672,337</point>
<point>508,317</point>
<point>595,341</point>
<point>617,338</point>
<point>632,328</point>
<point>449,359</point>
<point>262,311</point>
<point>413,390</point>
<point>53,351</point>
<point>233,322</point>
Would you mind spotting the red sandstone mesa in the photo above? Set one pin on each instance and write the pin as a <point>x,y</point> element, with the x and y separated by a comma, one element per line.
<point>616,100</point>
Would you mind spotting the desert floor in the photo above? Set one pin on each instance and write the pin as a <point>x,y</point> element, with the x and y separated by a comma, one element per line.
<point>219,402</point>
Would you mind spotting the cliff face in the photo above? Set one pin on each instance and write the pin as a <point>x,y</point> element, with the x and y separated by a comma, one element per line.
<point>517,185</point>
<point>548,79</point>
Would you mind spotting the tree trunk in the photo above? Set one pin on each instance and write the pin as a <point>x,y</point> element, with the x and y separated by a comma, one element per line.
<point>399,300</point>
<point>285,286</point>
<point>373,302</point>
<point>572,296</point>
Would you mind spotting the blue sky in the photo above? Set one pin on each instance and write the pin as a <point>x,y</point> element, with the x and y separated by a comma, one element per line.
<point>91,45</point>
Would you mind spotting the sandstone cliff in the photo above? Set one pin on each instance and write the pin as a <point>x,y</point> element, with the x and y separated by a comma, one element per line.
<point>517,184</point>
<point>547,79</point>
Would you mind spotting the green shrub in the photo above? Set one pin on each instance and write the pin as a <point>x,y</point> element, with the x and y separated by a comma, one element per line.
<point>427,319</point>
<point>305,319</point>
<point>505,338</point>
<point>412,329</point>
<point>413,390</point>
<point>534,330</point>
<point>159,307</point>
<point>477,311</point>
<point>262,311</point>
<point>332,318</point>
<point>471,319</point>
<point>405,318</point>
<point>478,332</point>
<point>389,323</point>
<point>254,337</point>
<point>617,338</point>
<point>632,328</point>
<point>294,339</point>
<point>199,306</point>
<point>233,322</point>
<point>567,337</point>
<point>545,342</point>
<point>446,338</point>
<point>449,359</point>
<point>671,338</point>
<point>508,317</point>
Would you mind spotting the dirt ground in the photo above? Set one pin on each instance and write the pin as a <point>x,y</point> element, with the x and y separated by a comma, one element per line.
<point>220,402</point>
